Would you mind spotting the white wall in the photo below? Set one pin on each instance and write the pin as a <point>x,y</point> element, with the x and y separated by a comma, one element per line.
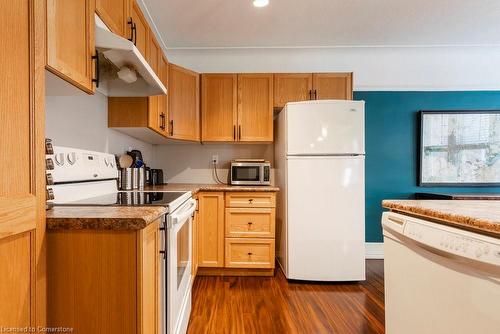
<point>191,163</point>
<point>81,121</point>
<point>375,68</point>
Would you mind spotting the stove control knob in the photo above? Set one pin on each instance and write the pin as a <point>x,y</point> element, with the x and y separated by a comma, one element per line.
<point>49,179</point>
<point>49,164</point>
<point>49,149</point>
<point>49,194</point>
<point>106,162</point>
<point>71,158</point>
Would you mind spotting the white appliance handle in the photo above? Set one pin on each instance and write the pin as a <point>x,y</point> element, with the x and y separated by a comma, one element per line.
<point>185,212</point>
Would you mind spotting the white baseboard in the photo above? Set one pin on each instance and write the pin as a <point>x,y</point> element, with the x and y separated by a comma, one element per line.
<point>374,250</point>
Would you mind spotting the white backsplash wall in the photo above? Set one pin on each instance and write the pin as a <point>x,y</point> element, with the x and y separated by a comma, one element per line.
<point>82,122</point>
<point>191,163</point>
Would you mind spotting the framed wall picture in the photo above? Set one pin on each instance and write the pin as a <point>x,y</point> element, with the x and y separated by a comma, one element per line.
<point>459,148</point>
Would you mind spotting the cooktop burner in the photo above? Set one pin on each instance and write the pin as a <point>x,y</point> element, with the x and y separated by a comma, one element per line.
<point>129,198</point>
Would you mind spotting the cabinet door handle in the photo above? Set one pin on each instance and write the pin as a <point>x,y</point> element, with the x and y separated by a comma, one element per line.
<point>135,33</point>
<point>315,94</point>
<point>239,132</point>
<point>162,121</point>
<point>234,132</point>
<point>250,253</point>
<point>164,253</point>
<point>95,58</point>
<point>172,127</point>
<point>131,23</point>
<point>310,94</point>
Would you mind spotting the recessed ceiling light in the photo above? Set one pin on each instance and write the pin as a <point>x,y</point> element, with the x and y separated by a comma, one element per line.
<point>260,3</point>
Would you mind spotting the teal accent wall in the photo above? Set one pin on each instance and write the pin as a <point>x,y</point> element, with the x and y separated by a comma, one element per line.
<point>391,144</point>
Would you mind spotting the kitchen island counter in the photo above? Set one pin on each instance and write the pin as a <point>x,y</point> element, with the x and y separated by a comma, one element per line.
<point>477,216</point>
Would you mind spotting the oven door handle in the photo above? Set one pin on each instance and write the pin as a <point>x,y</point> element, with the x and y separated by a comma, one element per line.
<point>184,213</point>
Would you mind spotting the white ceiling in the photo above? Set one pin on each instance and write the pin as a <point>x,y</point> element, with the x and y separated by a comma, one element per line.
<point>325,23</point>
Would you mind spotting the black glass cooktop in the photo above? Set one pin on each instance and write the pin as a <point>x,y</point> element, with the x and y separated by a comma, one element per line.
<point>129,198</point>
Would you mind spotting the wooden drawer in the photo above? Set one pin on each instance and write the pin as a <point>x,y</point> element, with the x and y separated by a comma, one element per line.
<point>250,222</point>
<point>250,200</point>
<point>249,253</point>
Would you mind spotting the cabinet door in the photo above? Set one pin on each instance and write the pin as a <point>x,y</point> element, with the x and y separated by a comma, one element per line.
<point>149,284</point>
<point>255,107</point>
<point>115,14</point>
<point>140,28</point>
<point>184,108</point>
<point>22,189</point>
<point>211,229</point>
<point>162,115</point>
<point>70,41</point>
<point>332,86</point>
<point>153,59</point>
<point>219,103</point>
<point>292,87</point>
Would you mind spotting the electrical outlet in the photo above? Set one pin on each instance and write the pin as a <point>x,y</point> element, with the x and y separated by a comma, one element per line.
<point>215,159</point>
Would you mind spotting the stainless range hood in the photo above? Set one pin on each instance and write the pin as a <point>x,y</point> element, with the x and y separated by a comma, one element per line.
<point>123,71</point>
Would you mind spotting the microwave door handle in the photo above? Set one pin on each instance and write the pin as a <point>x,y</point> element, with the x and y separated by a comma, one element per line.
<point>185,212</point>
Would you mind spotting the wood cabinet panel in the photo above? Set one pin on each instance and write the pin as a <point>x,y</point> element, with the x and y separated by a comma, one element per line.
<point>154,58</point>
<point>195,241</point>
<point>115,14</point>
<point>292,87</point>
<point>149,284</point>
<point>162,115</point>
<point>184,108</point>
<point>70,41</point>
<point>250,200</point>
<point>332,86</point>
<point>22,189</point>
<point>16,282</point>
<point>219,104</point>
<point>249,253</point>
<point>110,282</point>
<point>250,222</point>
<point>211,229</point>
<point>255,107</point>
<point>140,36</point>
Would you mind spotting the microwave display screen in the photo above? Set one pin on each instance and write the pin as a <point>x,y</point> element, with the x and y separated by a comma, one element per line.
<point>245,173</point>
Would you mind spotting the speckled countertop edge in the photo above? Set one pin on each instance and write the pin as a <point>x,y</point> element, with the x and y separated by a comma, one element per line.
<point>477,216</point>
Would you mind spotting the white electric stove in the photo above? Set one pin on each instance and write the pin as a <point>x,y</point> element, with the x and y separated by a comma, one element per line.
<point>86,178</point>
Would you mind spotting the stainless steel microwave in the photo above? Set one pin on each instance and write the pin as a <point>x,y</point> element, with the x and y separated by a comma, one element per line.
<point>250,172</point>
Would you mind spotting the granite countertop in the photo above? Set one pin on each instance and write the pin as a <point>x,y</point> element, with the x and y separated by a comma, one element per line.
<point>476,216</point>
<point>128,218</point>
<point>194,188</point>
<point>102,217</point>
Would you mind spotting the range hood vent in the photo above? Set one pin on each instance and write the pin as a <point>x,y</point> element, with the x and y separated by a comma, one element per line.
<point>123,71</point>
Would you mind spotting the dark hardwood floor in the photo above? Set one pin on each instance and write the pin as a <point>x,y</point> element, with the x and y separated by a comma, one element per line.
<point>275,305</point>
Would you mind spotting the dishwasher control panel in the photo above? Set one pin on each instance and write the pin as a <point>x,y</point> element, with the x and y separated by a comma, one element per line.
<point>445,238</point>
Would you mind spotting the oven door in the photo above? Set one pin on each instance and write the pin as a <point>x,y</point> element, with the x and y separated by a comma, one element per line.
<point>246,174</point>
<point>179,238</point>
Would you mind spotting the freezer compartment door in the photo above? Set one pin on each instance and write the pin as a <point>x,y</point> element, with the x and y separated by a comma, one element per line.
<point>326,218</point>
<point>326,127</point>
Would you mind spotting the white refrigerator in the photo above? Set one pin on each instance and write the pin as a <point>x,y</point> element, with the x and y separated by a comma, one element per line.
<point>320,168</point>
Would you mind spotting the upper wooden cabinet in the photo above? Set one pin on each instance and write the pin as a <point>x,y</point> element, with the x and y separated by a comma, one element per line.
<point>295,87</point>
<point>70,41</point>
<point>115,14</point>
<point>332,86</point>
<point>184,103</point>
<point>162,115</point>
<point>237,107</point>
<point>255,107</point>
<point>219,107</point>
<point>290,87</point>
<point>139,28</point>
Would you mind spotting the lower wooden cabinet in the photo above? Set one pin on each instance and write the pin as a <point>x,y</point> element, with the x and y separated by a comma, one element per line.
<point>249,253</point>
<point>211,229</point>
<point>235,231</point>
<point>195,229</point>
<point>104,281</point>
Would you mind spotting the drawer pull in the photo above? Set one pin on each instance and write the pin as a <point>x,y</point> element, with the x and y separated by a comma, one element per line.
<point>250,201</point>
<point>250,223</point>
<point>250,253</point>
<point>396,220</point>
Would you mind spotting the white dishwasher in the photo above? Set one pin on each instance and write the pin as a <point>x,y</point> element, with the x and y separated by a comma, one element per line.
<point>439,279</point>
